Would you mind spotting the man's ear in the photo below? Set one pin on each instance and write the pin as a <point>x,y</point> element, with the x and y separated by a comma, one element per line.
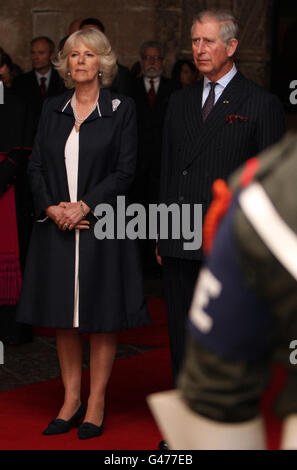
<point>231,47</point>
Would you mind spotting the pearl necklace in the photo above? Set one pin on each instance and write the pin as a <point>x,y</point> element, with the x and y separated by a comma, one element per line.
<point>78,120</point>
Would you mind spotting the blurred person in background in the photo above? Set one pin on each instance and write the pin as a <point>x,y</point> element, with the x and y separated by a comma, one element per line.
<point>184,72</point>
<point>151,93</point>
<point>74,26</point>
<point>136,70</point>
<point>43,80</point>
<point>8,70</point>
<point>16,210</point>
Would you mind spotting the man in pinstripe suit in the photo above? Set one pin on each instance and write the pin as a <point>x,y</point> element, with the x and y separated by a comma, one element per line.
<point>211,128</point>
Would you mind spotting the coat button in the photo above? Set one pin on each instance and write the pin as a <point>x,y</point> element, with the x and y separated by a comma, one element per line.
<point>185,172</point>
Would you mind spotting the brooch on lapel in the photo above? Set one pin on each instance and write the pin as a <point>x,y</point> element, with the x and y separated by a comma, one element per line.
<point>115,104</point>
<point>235,118</point>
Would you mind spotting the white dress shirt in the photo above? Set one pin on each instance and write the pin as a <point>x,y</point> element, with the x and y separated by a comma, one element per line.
<point>221,85</point>
<point>147,83</point>
<point>47,76</point>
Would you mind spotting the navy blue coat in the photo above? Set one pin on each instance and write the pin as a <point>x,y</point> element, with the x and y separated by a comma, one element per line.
<point>110,279</point>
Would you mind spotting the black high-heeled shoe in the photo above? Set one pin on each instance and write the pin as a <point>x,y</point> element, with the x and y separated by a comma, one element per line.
<point>88,430</point>
<point>60,426</point>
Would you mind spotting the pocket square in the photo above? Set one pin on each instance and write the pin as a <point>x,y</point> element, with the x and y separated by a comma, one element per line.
<point>235,118</point>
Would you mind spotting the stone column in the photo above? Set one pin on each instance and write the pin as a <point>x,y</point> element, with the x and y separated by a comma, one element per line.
<point>168,28</point>
<point>254,55</point>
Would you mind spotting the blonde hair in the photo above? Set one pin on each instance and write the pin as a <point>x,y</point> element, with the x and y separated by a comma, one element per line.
<point>99,44</point>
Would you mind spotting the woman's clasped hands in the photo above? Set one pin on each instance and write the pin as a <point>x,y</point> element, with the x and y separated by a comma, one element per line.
<point>69,215</point>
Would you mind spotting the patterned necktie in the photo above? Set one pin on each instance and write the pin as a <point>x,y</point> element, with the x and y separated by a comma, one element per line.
<point>43,87</point>
<point>208,105</point>
<point>152,94</point>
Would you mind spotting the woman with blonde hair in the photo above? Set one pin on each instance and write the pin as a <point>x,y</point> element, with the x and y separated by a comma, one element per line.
<point>84,155</point>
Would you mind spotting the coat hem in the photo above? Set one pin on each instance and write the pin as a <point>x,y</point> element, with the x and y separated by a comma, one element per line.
<point>84,329</point>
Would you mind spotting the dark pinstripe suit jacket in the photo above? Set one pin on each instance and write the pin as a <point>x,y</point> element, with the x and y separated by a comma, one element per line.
<point>195,153</point>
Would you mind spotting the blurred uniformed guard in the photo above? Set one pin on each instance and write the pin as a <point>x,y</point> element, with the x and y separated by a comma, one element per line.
<point>243,314</point>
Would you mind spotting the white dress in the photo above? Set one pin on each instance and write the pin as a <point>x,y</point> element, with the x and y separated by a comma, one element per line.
<point>71,163</point>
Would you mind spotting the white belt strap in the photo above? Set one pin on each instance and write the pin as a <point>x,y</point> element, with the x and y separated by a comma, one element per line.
<point>272,229</point>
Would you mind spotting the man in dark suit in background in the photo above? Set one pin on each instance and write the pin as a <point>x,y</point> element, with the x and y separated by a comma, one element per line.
<point>211,128</point>
<point>151,94</point>
<point>43,80</point>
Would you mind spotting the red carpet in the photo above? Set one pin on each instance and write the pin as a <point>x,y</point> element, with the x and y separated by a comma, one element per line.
<point>25,412</point>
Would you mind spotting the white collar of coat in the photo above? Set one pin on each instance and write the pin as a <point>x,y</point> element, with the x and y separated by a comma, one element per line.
<point>105,106</point>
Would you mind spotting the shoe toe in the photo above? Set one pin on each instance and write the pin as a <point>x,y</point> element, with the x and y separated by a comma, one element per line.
<point>57,426</point>
<point>60,426</point>
<point>88,430</point>
<point>163,445</point>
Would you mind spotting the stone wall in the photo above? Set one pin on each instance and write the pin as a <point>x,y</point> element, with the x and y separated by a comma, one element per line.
<point>130,22</point>
<point>127,23</point>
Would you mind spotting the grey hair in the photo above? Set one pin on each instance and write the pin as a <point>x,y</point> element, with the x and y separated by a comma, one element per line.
<point>155,44</point>
<point>99,44</point>
<point>229,27</point>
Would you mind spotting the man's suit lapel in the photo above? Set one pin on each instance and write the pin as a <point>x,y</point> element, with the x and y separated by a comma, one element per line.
<point>141,92</point>
<point>162,91</point>
<point>193,116</point>
<point>201,133</point>
<point>52,86</point>
<point>34,84</point>
<point>193,123</point>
